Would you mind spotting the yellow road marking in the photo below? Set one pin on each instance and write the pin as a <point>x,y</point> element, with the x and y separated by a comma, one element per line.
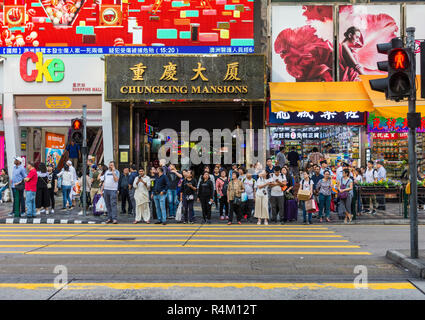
<point>171,246</point>
<point>166,240</point>
<point>264,286</point>
<point>139,226</point>
<point>195,253</point>
<point>162,231</point>
<point>217,236</point>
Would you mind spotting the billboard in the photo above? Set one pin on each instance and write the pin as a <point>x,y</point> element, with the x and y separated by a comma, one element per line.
<point>123,26</point>
<point>302,38</point>
<point>361,27</point>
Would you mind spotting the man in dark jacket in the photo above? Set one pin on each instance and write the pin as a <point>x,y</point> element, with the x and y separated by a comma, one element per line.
<point>133,175</point>
<point>124,191</point>
<point>206,195</point>
<point>159,194</point>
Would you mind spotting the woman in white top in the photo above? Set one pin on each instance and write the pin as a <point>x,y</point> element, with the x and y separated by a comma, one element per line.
<point>306,184</point>
<point>67,183</point>
<point>261,198</point>
<point>142,185</point>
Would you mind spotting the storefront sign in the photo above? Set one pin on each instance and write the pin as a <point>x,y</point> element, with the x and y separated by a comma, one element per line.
<point>317,118</point>
<point>52,69</point>
<point>58,102</point>
<point>131,27</point>
<point>389,135</point>
<point>45,74</point>
<point>55,146</point>
<point>381,124</point>
<point>287,133</point>
<point>197,78</point>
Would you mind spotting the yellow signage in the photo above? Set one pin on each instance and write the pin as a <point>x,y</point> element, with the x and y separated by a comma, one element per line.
<point>58,102</point>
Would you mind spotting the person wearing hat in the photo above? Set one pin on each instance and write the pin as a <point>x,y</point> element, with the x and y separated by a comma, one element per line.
<point>18,187</point>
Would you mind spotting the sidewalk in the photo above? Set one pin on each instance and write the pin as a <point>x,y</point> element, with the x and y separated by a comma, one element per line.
<point>391,216</point>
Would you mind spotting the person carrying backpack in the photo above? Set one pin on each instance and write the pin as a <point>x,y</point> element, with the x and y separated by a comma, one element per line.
<point>221,188</point>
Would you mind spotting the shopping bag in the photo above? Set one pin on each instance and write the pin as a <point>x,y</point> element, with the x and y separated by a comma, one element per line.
<point>311,206</point>
<point>179,211</point>
<point>101,205</point>
<point>303,195</point>
<point>244,197</point>
<point>7,195</point>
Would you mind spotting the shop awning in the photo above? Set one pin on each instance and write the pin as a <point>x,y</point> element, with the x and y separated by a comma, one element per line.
<point>319,96</point>
<point>391,109</point>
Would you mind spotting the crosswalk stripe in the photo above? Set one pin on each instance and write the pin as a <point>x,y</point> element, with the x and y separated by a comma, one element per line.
<point>175,231</point>
<point>169,240</point>
<point>173,246</point>
<point>196,253</point>
<point>169,285</point>
<point>160,226</point>
<point>176,235</point>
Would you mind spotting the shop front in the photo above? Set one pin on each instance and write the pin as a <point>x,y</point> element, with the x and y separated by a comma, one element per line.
<point>331,117</point>
<point>183,93</point>
<point>42,94</point>
<point>388,131</point>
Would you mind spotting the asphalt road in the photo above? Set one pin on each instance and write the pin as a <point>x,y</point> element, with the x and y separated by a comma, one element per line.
<point>204,262</point>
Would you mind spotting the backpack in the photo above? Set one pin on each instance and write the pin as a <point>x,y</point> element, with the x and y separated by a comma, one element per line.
<point>225,185</point>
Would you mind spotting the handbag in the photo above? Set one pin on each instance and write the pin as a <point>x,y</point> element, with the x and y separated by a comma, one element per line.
<point>237,201</point>
<point>311,206</point>
<point>244,197</point>
<point>289,196</point>
<point>190,197</point>
<point>179,212</point>
<point>20,186</point>
<point>343,195</point>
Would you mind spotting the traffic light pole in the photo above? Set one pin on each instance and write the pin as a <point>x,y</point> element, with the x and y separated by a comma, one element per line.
<point>84,153</point>
<point>413,211</point>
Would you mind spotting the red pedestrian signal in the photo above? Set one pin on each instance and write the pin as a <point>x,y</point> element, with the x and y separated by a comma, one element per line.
<point>398,59</point>
<point>77,125</point>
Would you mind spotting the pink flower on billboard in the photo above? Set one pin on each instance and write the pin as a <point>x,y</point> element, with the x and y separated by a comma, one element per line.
<point>307,57</point>
<point>320,13</point>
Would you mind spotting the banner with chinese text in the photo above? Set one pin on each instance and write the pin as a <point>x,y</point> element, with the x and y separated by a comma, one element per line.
<point>382,124</point>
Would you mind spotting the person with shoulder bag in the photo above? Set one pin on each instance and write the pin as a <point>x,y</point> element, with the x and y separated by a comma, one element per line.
<point>234,193</point>
<point>222,184</point>
<point>306,185</point>
<point>345,195</point>
<point>187,196</point>
<point>261,211</point>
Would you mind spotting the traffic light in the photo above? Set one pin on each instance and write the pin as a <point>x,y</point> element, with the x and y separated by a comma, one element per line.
<point>77,130</point>
<point>400,82</point>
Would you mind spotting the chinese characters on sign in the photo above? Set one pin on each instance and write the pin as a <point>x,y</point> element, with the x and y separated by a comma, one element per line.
<point>381,124</point>
<point>185,77</point>
<point>320,118</point>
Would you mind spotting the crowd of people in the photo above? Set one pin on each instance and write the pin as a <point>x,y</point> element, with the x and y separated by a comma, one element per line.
<point>268,194</point>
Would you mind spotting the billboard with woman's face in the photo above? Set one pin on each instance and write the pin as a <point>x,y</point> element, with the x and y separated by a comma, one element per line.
<point>360,29</point>
<point>302,38</point>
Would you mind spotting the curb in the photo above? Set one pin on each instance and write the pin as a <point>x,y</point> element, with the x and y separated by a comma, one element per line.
<point>414,266</point>
<point>46,221</point>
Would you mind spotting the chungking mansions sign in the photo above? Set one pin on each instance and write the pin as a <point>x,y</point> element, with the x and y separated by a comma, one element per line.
<point>185,77</point>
